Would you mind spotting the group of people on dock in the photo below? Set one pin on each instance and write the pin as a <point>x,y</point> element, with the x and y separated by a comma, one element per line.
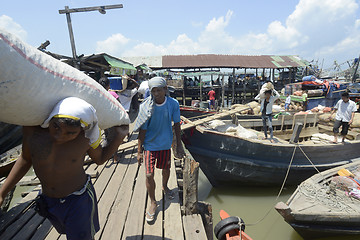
<point>56,150</point>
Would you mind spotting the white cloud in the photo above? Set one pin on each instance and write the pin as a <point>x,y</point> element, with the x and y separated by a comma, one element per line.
<point>115,44</point>
<point>11,26</point>
<point>314,30</point>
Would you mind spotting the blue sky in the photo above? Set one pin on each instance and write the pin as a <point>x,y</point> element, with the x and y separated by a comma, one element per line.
<point>313,29</point>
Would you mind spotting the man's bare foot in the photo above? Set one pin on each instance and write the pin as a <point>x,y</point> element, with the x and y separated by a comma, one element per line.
<point>150,213</point>
<point>272,140</point>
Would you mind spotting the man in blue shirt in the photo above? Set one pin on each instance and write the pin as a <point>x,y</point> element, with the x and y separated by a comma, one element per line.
<point>156,136</point>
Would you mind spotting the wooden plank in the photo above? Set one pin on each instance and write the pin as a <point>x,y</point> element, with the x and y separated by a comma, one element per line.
<point>190,178</point>
<point>42,231</point>
<point>16,211</point>
<point>193,227</point>
<point>107,200</point>
<point>15,227</point>
<point>155,231</point>
<point>117,217</point>
<point>29,229</point>
<point>172,216</point>
<point>113,188</point>
<point>305,132</point>
<point>353,134</point>
<point>135,218</point>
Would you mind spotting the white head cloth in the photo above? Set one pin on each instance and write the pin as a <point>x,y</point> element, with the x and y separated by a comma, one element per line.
<point>78,109</point>
<point>157,82</point>
<point>147,106</point>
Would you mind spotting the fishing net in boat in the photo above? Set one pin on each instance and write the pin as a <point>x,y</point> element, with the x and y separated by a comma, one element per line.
<point>327,196</point>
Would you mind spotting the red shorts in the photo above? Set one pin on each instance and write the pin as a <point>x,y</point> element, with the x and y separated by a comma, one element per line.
<point>162,159</point>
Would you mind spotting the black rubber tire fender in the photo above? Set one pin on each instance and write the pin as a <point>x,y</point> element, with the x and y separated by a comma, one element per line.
<point>223,223</point>
<point>225,230</point>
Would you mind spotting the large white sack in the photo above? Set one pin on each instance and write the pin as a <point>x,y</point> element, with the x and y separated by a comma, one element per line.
<point>143,87</point>
<point>32,82</point>
<point>244,133</point>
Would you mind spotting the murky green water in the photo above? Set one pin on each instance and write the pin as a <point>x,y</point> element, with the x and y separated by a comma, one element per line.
<point>251,204</point>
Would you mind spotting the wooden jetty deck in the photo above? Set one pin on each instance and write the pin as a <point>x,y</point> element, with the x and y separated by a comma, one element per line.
<point>122,202</point>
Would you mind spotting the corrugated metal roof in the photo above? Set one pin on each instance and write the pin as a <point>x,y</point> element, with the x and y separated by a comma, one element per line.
<point>229,61</point>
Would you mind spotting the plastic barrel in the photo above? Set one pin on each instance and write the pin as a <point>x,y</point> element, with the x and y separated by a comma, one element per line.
<point>115,83</point>
<point>308,78</point>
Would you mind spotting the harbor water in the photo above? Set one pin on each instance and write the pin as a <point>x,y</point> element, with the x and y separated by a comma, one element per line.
<point>252,204</point>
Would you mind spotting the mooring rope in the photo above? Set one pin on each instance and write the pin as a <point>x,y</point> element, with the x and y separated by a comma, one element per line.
<point>313,194</point>
<point>308,158</point>
<point>280,191</point>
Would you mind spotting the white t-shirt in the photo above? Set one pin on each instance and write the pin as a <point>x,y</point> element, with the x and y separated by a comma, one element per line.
<point>345,110</point>
<point>126,96</point>
<point>288,100</point>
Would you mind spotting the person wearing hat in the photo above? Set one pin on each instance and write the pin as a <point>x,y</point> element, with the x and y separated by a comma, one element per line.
<point>154,122</point>
<point>56,150</point>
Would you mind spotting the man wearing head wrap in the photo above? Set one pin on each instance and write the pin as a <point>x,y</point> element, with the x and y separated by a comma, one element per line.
<point>56,150</point>
<point>155,118</point>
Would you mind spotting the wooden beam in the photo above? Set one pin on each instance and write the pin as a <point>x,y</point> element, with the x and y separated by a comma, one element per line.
<point>190,176</point>
<point>193,227</point>
<point>88,9</point>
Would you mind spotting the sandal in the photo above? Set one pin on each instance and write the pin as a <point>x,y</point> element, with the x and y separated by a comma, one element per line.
<point>150,217</point>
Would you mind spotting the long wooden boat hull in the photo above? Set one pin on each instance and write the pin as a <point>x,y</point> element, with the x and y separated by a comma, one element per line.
<point>227,159</point>
<point>10,136</point>
<point>316,211</point>
<point>8,159</point>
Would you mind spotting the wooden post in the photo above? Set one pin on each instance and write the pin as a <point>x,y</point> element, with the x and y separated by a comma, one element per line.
<point>71,34</point>
<point>258,81</point>
<point>273,75</point>
<point>244,88</point>
<point>263,74</point>
<point>233,87</point>
<point>184,87</point>
<point>222,92</point>
<point>190,196</point>
<point>205,210</point>
<point>200,89</point>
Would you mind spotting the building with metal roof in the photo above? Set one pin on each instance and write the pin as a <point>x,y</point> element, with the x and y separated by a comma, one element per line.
<point>219,61</point>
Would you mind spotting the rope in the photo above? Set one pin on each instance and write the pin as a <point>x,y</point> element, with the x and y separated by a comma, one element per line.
<point>339,205</point>
<point>280,191</point>
<point>308,158</point>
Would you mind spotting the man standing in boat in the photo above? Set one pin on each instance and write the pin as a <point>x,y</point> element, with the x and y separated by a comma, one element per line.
<point>345,112</point>
<point>267,100</point>
<point>155,118</point>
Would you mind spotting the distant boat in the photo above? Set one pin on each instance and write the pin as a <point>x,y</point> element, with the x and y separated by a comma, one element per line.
<point>8,159</point>
<point>315,210</point>
<point>10,136</point>
<point>229,159</point>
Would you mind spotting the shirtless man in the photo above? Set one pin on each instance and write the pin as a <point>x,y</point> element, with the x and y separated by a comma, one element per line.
<point>57,156</point>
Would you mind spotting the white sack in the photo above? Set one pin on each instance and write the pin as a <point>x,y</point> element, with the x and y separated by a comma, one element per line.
<point>244,133</point>
<point>143,87</point>
<point>216,123</point>
<point>32,82</point>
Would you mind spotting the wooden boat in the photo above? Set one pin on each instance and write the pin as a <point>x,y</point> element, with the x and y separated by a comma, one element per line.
<point>230,228</point>
<point>10,136</point>
<point>229,159</point>
<point>191,112</point>
<point>8,159</point>
<point>317,210</point>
